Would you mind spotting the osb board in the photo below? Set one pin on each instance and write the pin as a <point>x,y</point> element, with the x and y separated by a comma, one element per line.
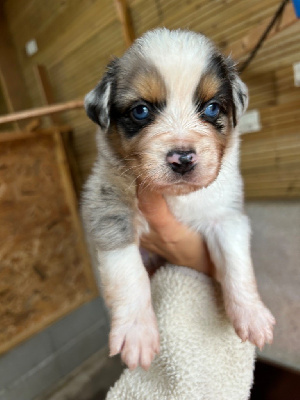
<point>44,267</point>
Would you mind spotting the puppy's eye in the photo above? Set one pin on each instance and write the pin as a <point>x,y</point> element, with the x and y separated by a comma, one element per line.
<point>140,112</point>
<point>212,110</point>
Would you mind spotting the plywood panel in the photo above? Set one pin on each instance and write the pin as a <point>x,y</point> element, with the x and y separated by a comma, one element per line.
<point>44,267</point>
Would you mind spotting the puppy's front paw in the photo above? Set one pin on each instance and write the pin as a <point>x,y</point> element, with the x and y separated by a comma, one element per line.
<point>253,322</point>
<point>137,339</point>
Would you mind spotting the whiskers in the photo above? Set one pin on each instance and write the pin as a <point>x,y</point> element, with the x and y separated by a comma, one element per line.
<point>150,171</point>
<point>153,179</point>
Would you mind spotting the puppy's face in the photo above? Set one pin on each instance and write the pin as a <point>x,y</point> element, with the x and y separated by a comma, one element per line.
<point>168,109</point>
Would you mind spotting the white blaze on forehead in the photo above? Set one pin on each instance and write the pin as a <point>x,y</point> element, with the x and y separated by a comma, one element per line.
<point>181,58</point>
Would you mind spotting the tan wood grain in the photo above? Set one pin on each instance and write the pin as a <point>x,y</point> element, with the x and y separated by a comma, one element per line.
<point>125,19</point>
<point>11,77</point>
<point>38,112</point>
<point>77,39</point>
<point>248,42</point>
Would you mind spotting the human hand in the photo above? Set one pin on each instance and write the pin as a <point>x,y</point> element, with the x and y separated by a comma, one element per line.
<point>169,238</point>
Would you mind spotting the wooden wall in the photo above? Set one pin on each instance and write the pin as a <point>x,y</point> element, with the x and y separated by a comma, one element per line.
<point>76,39</point>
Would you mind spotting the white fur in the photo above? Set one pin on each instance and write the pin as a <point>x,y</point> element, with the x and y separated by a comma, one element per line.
<point>183,50</point>
<point>126,290</point>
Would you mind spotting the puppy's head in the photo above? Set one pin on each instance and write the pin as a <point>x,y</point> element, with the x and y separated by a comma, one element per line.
<point>168,109</point>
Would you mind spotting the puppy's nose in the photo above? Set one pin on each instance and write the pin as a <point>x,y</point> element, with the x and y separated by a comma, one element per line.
<point>181,161</point>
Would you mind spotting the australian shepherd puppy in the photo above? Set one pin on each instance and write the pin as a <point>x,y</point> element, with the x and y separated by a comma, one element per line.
<point>168,112</point>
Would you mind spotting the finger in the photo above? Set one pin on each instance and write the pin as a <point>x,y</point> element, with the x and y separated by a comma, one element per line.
<point>154,207</point>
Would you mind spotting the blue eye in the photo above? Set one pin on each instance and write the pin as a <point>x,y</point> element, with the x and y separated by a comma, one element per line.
<point>212,110</point>
<point>140,112</point>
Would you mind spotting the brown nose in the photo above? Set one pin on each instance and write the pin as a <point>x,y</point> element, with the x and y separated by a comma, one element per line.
<point>181,161</point>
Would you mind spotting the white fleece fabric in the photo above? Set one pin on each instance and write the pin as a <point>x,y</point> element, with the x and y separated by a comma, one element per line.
<point>201,357</point>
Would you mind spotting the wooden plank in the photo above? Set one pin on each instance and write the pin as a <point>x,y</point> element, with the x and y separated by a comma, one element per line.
<point>4,110</point>
<point>69,148</point>
<point>15,135</point>
<point>125,19</point>
<point>45,90</point>
<point>222,22</point>
<point>286,89</point>
<point>59,37</point>
<point>270,159</point>
<point>48,98</point>
<point>248,42</point>
<point>65,174</point>
<point>38,112</point>
<point>278,52</point>
<point>11,79</point>
<point>269,182</point>
<point>80,71</point>
<point>262,89</point>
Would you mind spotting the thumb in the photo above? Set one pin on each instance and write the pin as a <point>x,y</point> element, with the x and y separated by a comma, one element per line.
<point>154,207</point>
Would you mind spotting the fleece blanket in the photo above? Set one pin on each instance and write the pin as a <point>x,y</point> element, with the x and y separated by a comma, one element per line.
<point>201,357</point>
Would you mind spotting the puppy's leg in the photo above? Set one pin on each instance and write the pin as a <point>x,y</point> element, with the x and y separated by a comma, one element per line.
<point>229,244</point>
<point>109,210</point>
<point>126,290</point>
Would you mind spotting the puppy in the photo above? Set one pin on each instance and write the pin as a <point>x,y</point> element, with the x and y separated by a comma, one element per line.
<point>168,111</point>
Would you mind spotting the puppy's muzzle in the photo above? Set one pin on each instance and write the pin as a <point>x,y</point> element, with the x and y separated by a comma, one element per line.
<point>181,161</point>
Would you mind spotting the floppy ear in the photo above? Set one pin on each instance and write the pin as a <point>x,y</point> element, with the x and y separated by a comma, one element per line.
<point>97,102</point>
<point>239,91</point>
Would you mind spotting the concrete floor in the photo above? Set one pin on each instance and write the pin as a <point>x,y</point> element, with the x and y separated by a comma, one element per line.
<point>91,381</point>
<point>109,375</point>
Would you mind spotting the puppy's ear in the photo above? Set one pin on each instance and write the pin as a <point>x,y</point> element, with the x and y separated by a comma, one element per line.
<point>97,102</point>
<point>239,91</point>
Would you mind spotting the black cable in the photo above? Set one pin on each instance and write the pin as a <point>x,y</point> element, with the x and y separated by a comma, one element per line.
<point>277,15</point>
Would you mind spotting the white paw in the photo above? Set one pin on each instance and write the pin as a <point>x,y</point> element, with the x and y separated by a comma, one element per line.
<point>137,339</point>
<point>253,322</point>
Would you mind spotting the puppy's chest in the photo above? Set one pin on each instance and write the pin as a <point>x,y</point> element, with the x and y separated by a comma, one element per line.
<point>192,210</point>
